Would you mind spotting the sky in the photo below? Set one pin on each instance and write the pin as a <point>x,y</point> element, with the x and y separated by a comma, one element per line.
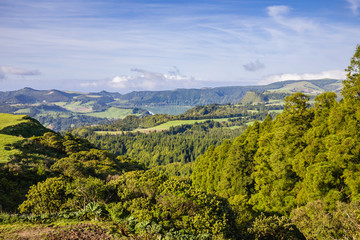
<point>123,46</point>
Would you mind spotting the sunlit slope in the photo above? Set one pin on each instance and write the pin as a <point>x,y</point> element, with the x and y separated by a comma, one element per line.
<point>15,128</point>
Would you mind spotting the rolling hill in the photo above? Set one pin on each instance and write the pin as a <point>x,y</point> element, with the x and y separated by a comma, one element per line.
<point>15,128</point>
<point>61,110</point>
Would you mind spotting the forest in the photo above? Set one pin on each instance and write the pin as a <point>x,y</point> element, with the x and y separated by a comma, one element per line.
<point>179,145</point>
<point>293,176</point>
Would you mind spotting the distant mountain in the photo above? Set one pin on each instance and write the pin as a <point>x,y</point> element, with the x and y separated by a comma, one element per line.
<point>185,97</point>
<point>61,110</point>
<point>29,95</point>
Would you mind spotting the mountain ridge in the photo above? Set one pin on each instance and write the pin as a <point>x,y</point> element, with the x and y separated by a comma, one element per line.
<point>226,94</point>
<point>61,110</point>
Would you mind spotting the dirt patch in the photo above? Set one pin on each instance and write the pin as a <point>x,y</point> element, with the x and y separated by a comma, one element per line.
<point>80,231</point>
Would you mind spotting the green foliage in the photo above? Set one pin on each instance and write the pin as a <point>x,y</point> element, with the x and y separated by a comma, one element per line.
<point>45,197</point>
<point>21,126</point>
<point>83,192</point>
<point>351,87</point>
<point>65,121</point>
<point>48,156</point>
<point>180,144</point>
<point>74,144</point>
<point>174,144</point>
<point>13,129</point>
<point>316,221</point>
<point>52,140</point>
<point>87,163</point>
<point>94,210</point>
<point>274,227</point>
<point>172,203</point>
<point>306,159</point>
<point>6,147</point>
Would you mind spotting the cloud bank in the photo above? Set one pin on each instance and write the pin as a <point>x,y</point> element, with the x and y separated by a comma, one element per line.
<point>9,70</point>
<point>333,74</point>
<point>143,80</point>
<point>148,80</point>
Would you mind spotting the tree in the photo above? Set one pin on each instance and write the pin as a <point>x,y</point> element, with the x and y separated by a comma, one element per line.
<point>45,197</point>
<point>351,86</point>
<point>86,190</point>
<point>172,203</point>
<point>275,227</point>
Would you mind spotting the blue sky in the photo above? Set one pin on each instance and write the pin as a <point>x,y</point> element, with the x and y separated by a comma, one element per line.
<point>115,45</point>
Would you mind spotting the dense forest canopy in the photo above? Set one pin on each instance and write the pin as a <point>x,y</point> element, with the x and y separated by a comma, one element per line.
<point>304,164</point>
<point>180,144</point>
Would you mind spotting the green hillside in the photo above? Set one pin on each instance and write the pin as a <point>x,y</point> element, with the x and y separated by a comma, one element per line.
<point>253,97</point>
<point>15,128</point>
<point>154,140</point>
<point>301,86</point>
<point>61,110</point>
<point>7,120</point>
<point>301,168</point>
<point>61,181</point>
<point>5,150</point>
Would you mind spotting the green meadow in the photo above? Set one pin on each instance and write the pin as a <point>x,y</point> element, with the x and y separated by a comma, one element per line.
<point>112,113</point>
<point>5,150</point>
<point>7,120</point>
<point>164,126</point>
<point>169,124</point>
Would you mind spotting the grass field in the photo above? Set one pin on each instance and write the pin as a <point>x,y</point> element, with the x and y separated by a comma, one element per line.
<point>55,114</point>
<point>112,112</point>
<point>164,126</point>
<point>7,120</point>
<point>251,123</point>
<point>6,152</point>
<point>168,125</point>
<point>168,109</point>
<point>78,107</point>
<point>306,87</point>
<point>23,111</point>
<point>276,111</point>
<point>233,127</point>
<point>60,104</point>
<point>110,132</point>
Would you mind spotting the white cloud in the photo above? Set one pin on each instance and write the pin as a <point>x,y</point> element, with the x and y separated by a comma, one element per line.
<point>278,11</point>
<point>254,66</point>
<point>147,80</point>
<point>90,84</point>
<point>18,71</point>
<point>279,15</point>
<point>9,70</point>
<point>354,6</point>
<point>333,74</point>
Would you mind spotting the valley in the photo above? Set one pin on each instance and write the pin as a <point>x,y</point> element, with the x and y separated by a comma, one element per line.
<point>62,110</point>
